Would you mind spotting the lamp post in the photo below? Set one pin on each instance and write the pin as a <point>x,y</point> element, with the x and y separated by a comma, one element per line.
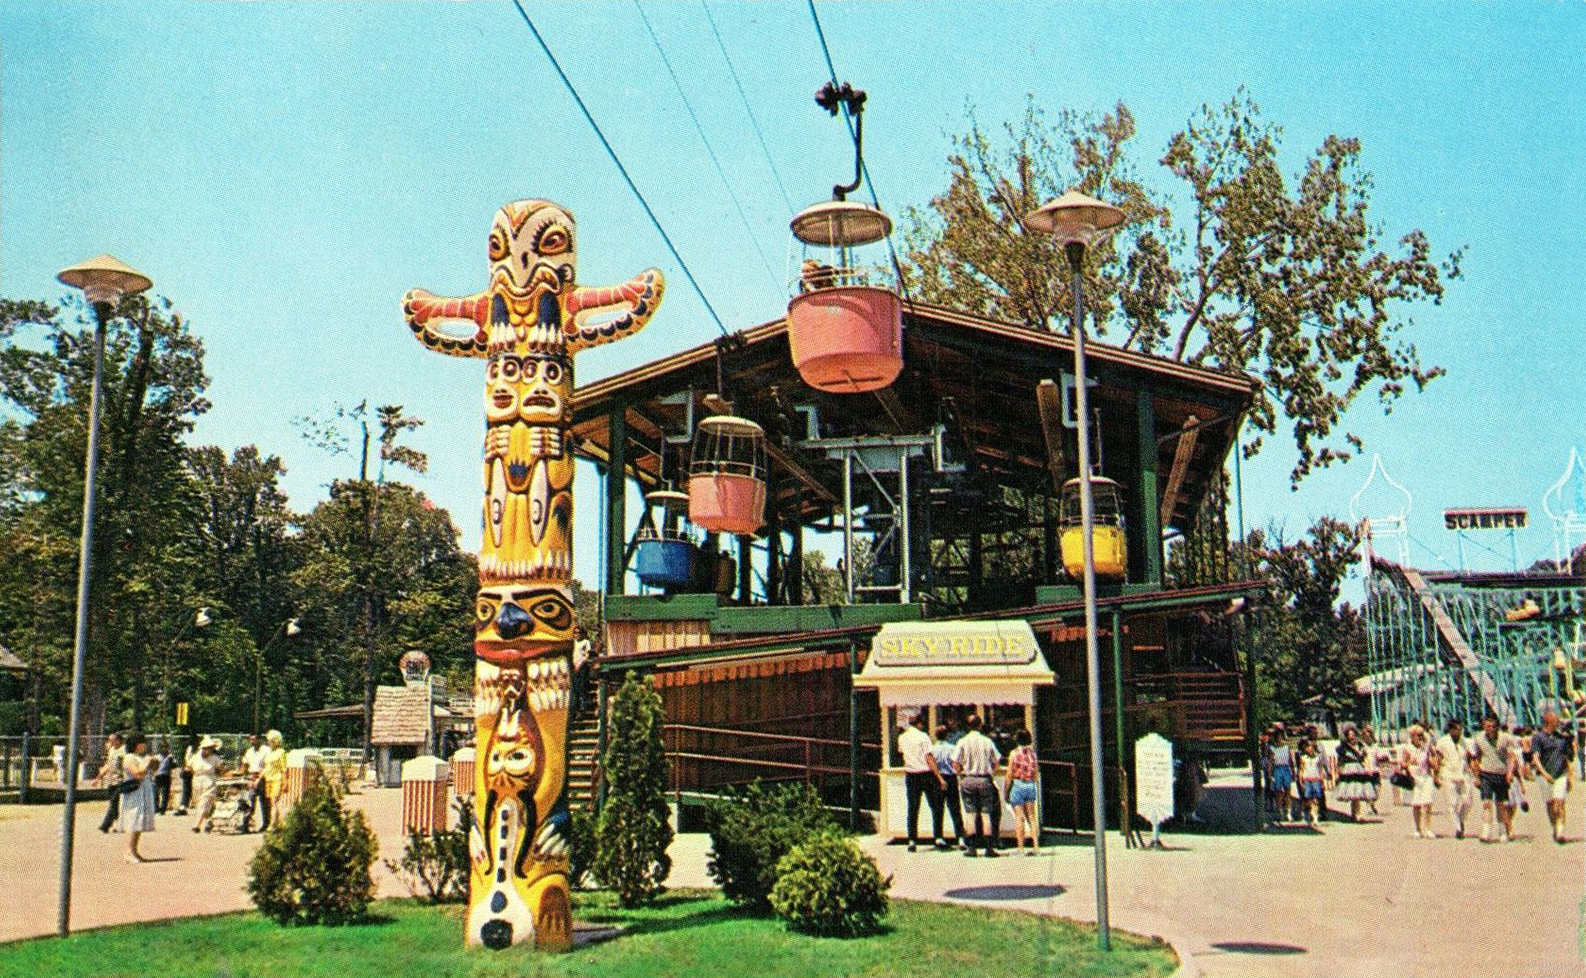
<point>200,620</point>
<point>289,628</point>
<point>1075,221</point>
<point>103,281</point>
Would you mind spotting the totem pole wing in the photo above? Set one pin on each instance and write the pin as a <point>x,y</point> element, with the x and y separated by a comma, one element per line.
<point>426,312</point>
<point>596,316</point>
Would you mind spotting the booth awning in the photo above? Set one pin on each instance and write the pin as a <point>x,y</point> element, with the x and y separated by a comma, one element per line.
<point>955,662</point>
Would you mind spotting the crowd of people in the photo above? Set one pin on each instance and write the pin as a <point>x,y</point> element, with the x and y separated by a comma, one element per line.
<point>955,772</point>
<point>1490,768</point>
<point>138,782</point>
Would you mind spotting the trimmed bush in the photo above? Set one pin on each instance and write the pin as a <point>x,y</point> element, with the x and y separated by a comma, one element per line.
<point>434,866</point>
<point>751,830</point>
<point>580,846</point>
<point>633,831</point>
<point>313,865</point>
<point>827,887</point>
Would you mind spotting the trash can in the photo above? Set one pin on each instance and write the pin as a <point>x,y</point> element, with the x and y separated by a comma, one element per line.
<point>425,796</point>
<point>302,765</point>
<point>463,772</point>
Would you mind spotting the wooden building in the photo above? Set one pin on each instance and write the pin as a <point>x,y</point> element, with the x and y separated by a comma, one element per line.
<point>941,494</point>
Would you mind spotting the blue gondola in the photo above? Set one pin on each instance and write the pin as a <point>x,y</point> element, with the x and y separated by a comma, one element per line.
<point>664,554</point>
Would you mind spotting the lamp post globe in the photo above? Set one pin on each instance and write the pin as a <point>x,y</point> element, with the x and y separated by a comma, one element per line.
<point>103,282</point>
<point>1075,222</point>
<point>105,279</point>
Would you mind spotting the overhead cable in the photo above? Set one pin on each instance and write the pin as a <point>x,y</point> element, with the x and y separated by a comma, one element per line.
<point>620,168</point>
<point>753,121</point>
<point>776,283</point>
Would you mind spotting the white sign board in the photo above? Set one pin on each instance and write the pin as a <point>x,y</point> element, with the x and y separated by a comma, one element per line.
<point>1153,778</point>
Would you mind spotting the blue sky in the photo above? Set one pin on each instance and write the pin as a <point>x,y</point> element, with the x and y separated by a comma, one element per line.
<point>285,171</point>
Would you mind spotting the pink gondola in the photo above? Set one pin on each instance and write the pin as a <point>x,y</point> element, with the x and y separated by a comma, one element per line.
<point>845,324</point>
<point>726,477</point>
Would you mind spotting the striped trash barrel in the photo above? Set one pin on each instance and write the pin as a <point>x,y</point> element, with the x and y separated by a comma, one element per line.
<point>302,765</point>
<point>425,796</point>
<point>463,773</point>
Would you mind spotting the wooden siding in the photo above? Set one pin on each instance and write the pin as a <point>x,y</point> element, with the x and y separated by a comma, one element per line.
<point>625,638</point>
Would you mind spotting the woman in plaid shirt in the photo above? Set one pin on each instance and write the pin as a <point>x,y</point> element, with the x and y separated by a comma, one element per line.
<point>1022,788</point>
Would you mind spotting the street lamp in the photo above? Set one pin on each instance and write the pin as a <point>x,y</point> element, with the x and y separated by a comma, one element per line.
<point>1075,221</point>
<point>200,620</point>
<point>289,628</point>
<point>103,281</point>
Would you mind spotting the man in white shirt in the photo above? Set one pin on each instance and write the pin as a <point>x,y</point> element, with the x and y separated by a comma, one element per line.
<point>253,762</point>
<point>1453,765</point>
<point>920,778</point>
<point>112,775</point>
<point>976,759</point>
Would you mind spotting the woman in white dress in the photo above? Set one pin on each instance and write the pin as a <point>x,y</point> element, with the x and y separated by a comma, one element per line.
<point>1417,759</point>
<point>137,806</point>
<point>206,768</point>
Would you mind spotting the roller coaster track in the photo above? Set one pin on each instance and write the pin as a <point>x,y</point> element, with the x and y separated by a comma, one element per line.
<point>1452,641</point>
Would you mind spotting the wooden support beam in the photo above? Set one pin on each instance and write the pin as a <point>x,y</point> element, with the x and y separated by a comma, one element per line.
<point>901,416</point>
<point>1146,480</point>
<point>1047,401</point>
<point>616,502</point>
<point>1175,475</point>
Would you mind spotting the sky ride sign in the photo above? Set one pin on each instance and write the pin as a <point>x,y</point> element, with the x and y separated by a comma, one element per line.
<point>951,643</point>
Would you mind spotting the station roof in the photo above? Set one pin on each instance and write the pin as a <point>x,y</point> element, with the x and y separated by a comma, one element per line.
<point>978,376</point>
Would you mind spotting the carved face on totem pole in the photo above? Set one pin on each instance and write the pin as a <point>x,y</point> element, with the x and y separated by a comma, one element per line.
<point>527,326</point>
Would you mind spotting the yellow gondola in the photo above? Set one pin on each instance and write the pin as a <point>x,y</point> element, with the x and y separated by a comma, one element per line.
<point>1111,550</point>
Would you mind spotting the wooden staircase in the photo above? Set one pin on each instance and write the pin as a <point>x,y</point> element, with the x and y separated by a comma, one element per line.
<point>583,746</point>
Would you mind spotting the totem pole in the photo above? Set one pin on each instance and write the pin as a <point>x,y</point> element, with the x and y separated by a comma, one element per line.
<point>527,326</point>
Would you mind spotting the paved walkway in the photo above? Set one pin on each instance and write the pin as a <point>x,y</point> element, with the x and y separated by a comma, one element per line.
<point>1353,900</point>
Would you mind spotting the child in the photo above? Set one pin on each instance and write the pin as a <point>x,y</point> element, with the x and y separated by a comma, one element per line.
<point>1312,789</point>
<point>1280,778</point>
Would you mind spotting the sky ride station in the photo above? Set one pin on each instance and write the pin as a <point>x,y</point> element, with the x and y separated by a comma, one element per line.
<point>933,455</point>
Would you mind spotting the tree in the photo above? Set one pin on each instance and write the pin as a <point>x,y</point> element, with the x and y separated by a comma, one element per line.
<point>633,832</point>
<point>1306,644</point>
<point>247,555</point>
<point>331,434</point>
<point>153,391</point>
<point>1288,280</point>
<point>367,599</point>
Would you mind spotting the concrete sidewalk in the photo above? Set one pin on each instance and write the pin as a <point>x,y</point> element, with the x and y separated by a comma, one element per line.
<point>1352,900</point>
<point>189,873</point>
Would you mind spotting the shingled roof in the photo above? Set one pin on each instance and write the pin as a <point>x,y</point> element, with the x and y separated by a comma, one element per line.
<point>399,716</point>
<point>9,661</point>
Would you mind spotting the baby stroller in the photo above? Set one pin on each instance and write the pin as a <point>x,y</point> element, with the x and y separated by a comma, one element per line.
<point>232,808</point>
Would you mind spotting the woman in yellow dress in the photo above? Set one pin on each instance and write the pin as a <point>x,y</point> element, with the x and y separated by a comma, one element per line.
<point>274,772</point>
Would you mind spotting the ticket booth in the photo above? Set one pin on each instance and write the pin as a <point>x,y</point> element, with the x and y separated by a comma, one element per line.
<point>946,671</point>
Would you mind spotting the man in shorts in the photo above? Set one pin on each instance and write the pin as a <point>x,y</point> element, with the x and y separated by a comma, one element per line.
<point>1553,758</point>
<point>1495,761</point>
<point>975,757</point>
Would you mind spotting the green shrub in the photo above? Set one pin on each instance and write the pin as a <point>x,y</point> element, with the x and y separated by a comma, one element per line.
<point>580,845</point>
<point>751,830</point>
<point>826,886</point>
<point>434,866</point>
<point>633,831</point>
<point>313,865</point>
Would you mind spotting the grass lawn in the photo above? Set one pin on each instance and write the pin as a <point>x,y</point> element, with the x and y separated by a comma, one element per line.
<point>688,934</point>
